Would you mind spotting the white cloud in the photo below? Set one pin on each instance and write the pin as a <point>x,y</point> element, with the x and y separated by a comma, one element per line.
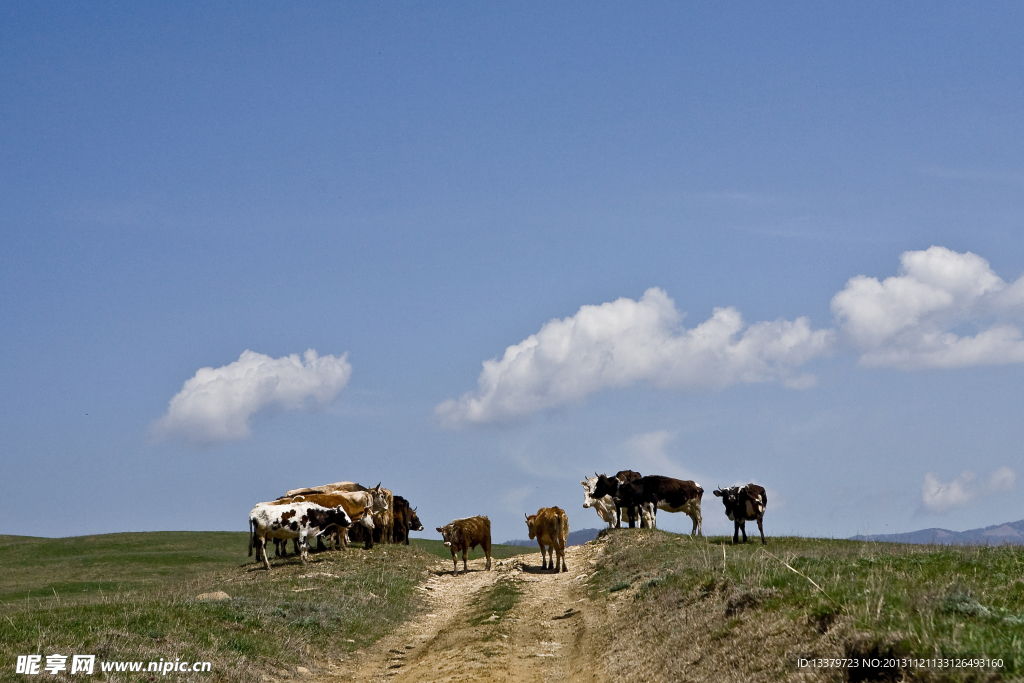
<point>939,497</point>
<point>218,404</point>
<point>1002,480</point>
<point>908,321</point>
<point>620,343</point>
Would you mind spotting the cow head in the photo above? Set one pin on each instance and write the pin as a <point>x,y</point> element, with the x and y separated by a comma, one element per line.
<point>380,499</point>
<point>365,517</point>
<point>729,495</point>
<point>446,534</point>
<point>414,522</point>
<point>605,486</point>
<point>531,524</point>
<point>588,491</point>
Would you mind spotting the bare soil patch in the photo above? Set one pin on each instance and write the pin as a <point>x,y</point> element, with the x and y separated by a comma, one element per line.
<point>541,627</point>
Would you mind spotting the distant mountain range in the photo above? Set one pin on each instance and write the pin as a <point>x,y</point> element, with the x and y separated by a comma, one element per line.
<point>575,538</point>
<point>999,534</point>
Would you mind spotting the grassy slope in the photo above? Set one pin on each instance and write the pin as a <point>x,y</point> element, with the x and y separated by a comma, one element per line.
<point>747,614</point>
<point>131,596</point>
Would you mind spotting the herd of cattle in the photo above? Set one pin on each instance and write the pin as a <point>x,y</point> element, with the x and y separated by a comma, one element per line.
<point>346,512</point>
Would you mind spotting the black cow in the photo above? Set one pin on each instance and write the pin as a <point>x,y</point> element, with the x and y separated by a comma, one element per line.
<point>743,504</point>
<point>612,483</point>
<point>406,520</point>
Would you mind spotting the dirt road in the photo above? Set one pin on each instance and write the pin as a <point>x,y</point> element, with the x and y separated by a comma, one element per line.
<point>551,633</point>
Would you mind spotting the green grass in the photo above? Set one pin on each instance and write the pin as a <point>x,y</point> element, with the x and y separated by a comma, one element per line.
<point>891,599</point>
<point>493,603</point>
<point>132,597</point>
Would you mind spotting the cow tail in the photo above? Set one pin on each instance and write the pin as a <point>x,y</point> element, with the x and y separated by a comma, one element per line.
<point>251,534</point>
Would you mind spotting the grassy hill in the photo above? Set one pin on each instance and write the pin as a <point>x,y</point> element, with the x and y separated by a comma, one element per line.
<point>132,596</point>
<point>724,612</point>
<point>716,611</point>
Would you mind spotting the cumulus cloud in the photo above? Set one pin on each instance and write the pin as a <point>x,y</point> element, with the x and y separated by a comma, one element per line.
<point>912,320</point>
<point>939,497</point>
<point>623,342</point>
<point>218,404</point>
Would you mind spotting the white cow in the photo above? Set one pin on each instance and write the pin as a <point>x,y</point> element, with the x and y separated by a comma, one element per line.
<point>604,506</point>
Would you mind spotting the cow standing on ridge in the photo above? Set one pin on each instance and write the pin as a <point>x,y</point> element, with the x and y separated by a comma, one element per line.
<point>603,506</point>
<point>650,493</point>
<point>550,526</point>
<point>406,520</point>
<point>354,505</point>
<point>612,483</point>
<point>293,520</point>
<point>743,504</point>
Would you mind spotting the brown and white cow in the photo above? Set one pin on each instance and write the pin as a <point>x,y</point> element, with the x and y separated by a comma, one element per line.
<point>293,520</point>
<point>465,534</point>
<point>328,488</point>
<point>383,518</point>
<point>743,504</point>
<point>550,526</point>
<point>352,502</point>
<point>377,497</point>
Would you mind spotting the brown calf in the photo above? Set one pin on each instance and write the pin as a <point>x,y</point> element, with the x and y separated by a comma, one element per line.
<point>466,534</point>
<point>550,526</point>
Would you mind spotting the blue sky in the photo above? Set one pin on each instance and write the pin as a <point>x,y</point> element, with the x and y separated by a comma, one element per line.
<point>410,190</point>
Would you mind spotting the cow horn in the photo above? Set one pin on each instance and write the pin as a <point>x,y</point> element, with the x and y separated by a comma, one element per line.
<point>526,515</point>
<point>378,484</point>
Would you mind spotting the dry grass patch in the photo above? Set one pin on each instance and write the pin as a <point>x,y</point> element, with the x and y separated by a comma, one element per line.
<point>705,609</point>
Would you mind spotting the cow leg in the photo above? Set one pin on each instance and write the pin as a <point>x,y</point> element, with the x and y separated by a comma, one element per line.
<point>487,551</point>
<point>455,561</point>
<point>761,529</point>
<point>465,553</point>
<point>631,511</point>
<point>261,550</point>
<point>303,548</point>
<point>736,533</point>
<point>743,528</point>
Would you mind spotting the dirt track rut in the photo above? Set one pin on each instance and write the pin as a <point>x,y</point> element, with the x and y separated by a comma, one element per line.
<point>553,633</point>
